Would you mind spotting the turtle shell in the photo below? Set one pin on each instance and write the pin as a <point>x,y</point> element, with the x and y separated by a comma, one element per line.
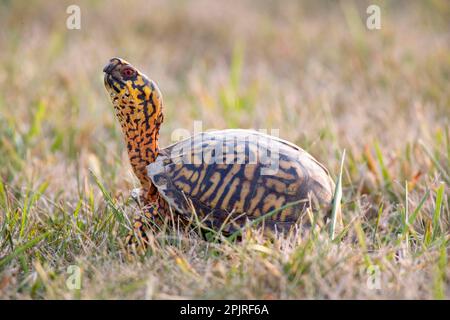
<point>235,175</point>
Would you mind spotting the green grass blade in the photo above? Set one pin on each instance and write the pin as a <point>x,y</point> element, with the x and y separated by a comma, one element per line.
<point>384,171</point>
<point>109,200</point>
<point>440,273</point>
<point>18,251</point>
<point>3,196</point>
<point>408,222</point>
<point>377,224</point>
<point>36,125</point>
<point>29,205</point>
<point>413,217</point>
<point>337,198</point>
<point>443,172</point>
<point>437,209</point>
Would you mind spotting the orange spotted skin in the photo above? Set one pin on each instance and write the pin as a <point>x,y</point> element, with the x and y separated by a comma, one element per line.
<point>232,188</point>
<point>137,103</point>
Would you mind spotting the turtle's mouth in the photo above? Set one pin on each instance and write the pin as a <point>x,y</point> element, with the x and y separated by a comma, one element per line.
<point>112,82</point>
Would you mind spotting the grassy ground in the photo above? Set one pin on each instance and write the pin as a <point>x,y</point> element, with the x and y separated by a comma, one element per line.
<point>312,70</point>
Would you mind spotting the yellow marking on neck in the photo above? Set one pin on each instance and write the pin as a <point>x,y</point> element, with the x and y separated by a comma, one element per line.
<point>132,91</point>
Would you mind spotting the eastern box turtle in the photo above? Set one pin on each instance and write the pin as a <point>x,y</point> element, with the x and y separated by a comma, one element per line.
<point>225,176</point>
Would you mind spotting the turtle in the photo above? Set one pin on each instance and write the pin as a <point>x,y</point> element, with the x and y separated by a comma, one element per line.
<point>228,178</point>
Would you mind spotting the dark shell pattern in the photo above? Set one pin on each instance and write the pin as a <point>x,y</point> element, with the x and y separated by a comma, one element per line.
<point>239,175</point>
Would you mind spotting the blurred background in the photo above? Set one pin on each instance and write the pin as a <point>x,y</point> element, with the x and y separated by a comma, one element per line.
<point>309,68</point>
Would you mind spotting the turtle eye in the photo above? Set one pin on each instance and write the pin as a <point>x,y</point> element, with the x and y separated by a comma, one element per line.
<point>127,72</point>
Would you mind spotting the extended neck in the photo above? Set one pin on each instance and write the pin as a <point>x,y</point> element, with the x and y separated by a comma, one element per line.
<point>140,120</point>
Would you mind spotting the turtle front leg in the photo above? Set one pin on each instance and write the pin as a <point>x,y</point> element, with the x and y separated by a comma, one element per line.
<point>153,208</point>
<point>137,239</point>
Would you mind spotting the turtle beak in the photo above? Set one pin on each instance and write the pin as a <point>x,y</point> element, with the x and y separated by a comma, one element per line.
<point>112,75</point>
<point>112,64</point>
<point>109,67</point>
<point>109,80</point>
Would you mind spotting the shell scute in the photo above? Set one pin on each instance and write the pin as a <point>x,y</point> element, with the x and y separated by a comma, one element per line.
<point>222,174</point>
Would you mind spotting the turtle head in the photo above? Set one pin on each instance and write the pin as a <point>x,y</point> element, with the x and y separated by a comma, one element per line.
<point>130,90</point>
<point>137,103</point>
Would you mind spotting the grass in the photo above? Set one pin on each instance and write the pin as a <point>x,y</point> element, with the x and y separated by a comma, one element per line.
<point>311,70</point>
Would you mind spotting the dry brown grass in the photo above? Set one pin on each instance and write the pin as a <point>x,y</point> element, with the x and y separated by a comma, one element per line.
<point>311,70</point>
